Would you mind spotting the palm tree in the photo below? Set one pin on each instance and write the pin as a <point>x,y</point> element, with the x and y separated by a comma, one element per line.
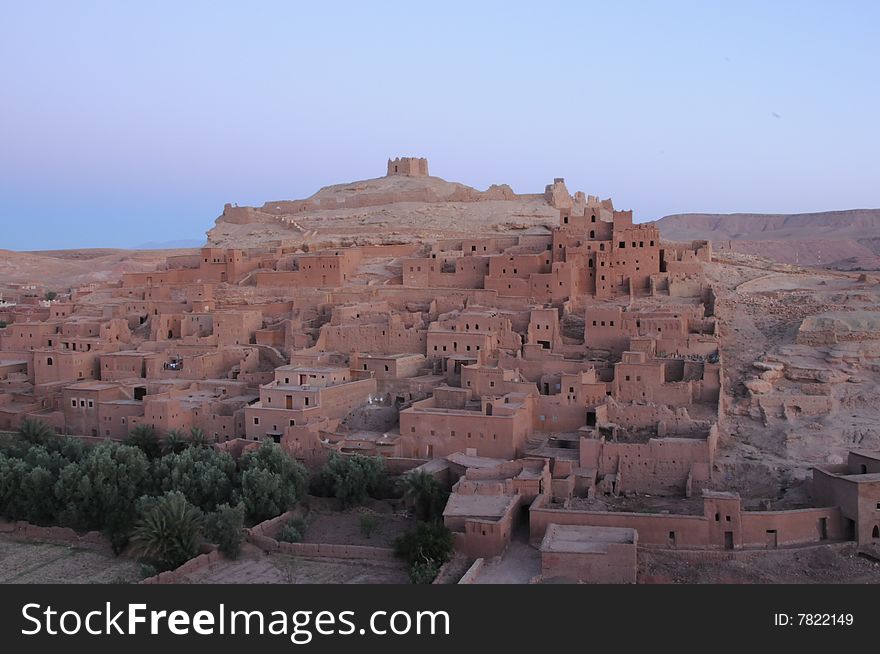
<point>174,442</point>
<point>169,532</point>
<point>35,431</point>
<point>425,494</point>
<point>143,436</point>
<point>197,438</point>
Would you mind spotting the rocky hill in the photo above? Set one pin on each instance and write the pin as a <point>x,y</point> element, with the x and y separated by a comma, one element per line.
<point>842,240</point>
<point>391,209</point>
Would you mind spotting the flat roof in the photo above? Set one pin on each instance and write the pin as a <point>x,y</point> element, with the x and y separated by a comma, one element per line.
<point>477,506</point>
<point>292,368</point>
<point>864,478</point>
<point>585,539</point>
<point>866,454</point>
<point>473,461</point>
<point>94,385</point>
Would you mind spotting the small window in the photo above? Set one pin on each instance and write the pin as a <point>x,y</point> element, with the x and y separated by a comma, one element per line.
<point>256,421</point>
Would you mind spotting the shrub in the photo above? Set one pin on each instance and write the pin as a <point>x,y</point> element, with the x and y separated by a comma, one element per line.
<point>369,524</point>
<point>429,541</point>
<point>271,481</point>
<point>424,572</point>
<point>293,531</point>
<point>167,535</point>
<point>356,477</point>
<point>225,527</point>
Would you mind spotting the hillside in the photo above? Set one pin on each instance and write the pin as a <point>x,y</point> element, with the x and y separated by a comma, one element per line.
<point>842,240</point>
<point>391,209</point>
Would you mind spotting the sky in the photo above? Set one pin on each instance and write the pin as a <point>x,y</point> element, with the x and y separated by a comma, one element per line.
<point>130,123</point>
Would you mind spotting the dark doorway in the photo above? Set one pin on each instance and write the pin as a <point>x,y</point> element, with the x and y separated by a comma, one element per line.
<point>772,540</point>
<point>591,418</point>
<point>876,533</point>
<point>728,540</point>
<point>823,528</point>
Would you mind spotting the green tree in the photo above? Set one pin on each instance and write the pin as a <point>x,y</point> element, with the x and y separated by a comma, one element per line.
<point>50,295</point>
<point>144,437</point>
<point>356,477</point>
<point>39,499</point>
<point>168,533</point>
<point>197,438</point>
<point>426,494</point>
<point>271,481</point>
<point>13,503</point>
<point>429,541</point>
<point>100,491</point>
<point>2,324</point>
<point>35,431</point>
<point>293,531</point>
<point>174,442</point>
<point>424,572</point>
<point>206,477</point>
<point>225,527</point>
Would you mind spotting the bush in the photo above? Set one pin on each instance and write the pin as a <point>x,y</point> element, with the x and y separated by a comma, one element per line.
<point>225,527</point>
<point>424,572</point>
<point>293,531</point>
<point>356,477</point>
<point>369,525</point>
<point>429,541</point>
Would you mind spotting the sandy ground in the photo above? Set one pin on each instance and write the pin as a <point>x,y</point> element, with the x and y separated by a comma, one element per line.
<point>46,563</point>
<point>60,270</point>
<point>261,568</point>
<point>327,524</point>
<point>828,564</point>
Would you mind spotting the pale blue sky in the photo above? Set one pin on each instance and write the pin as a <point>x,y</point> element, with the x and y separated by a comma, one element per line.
<point>124,123</point>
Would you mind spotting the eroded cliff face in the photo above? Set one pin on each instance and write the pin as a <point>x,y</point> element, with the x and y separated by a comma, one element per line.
<point>391,209</point>
<point>842,240</point>
<point>802,354</point>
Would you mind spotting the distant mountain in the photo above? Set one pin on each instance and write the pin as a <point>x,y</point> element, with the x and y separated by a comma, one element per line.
<point>170,245</point>
<point>843,240</point>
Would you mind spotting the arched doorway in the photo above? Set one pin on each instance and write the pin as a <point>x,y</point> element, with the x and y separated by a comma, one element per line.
<point>876,532</point>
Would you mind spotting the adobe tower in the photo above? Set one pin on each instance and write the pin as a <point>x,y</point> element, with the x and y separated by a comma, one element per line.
<point>411,166</point>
